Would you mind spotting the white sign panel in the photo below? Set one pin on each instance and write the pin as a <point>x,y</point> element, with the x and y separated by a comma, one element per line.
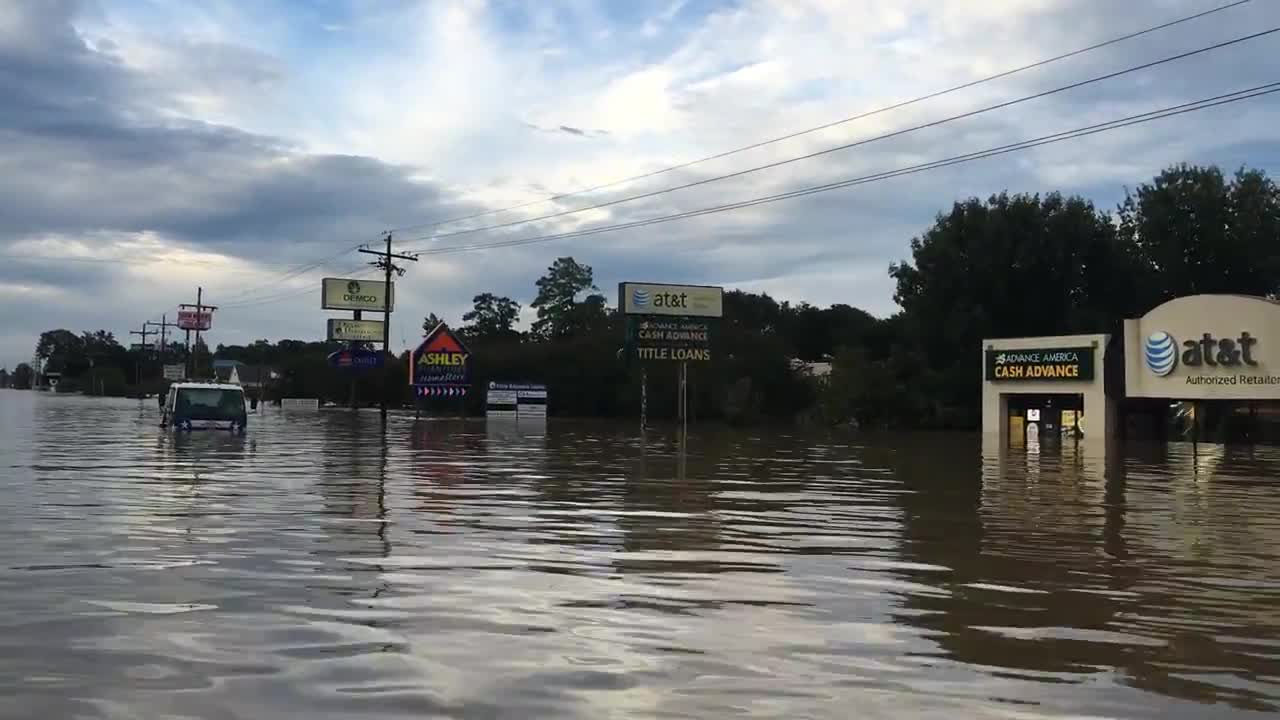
<point>1205,347</point>
<point>349,294</point>
<point>192,320</point>
<point>516,400</point>
<point>682,300</point>
<point>355,330</point>
<point>175,372</point>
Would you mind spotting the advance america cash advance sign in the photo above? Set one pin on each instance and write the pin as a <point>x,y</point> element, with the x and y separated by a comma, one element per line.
<point>677,338</point>
<point>1040,364</point>
<point>1205,347</point>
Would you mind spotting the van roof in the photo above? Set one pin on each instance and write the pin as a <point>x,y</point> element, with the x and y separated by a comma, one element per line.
<point>207,386</point>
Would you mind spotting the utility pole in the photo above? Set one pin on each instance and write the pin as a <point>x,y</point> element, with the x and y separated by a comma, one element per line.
<point>200,308</point>
<point>384,263</point>
<point>142,349</point>
<point>164,326</point>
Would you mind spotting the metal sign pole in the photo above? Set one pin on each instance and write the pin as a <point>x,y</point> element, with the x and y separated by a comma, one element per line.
<point>684,401</point>
<point>644,398</point>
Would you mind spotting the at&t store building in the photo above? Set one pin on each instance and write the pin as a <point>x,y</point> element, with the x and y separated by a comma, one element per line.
<point>1201,368</point>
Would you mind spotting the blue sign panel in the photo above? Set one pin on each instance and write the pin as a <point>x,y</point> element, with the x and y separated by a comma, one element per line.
<point>357,359</point>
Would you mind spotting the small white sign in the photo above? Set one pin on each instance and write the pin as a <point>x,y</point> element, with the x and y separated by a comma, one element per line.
<point>175,372</point>
<point>355,330</point>
<point>1033,415</point>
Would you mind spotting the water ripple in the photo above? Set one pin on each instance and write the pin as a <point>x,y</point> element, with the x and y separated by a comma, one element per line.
<point>464,569</point>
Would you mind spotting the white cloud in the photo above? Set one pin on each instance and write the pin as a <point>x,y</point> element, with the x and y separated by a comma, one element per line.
<point>445,94</point>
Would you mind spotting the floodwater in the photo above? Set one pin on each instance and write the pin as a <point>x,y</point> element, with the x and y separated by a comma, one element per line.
<point>473,570</point>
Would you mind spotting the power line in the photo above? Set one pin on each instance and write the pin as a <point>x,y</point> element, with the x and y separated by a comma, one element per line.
<point>866,141</point>
<point>860,116</point>
<point>1138,119</point>
<point>360,271</point>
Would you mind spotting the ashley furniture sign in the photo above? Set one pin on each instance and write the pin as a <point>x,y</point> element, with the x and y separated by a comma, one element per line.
<point>1073,363</point>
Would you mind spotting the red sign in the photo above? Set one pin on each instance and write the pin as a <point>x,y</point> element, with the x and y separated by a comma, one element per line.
<point>440,360</point>
<point>192,320</point>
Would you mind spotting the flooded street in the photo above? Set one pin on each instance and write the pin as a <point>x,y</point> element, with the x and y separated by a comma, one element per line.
<point>473,570</point>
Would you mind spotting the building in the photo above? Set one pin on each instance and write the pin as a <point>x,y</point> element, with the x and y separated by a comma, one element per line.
<point>1202,367</point>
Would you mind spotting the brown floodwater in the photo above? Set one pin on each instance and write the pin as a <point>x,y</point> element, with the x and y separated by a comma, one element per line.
<point>319,569</point>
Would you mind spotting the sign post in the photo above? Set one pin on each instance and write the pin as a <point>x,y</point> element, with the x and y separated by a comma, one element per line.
<point>670,322</point>
<point>441,365</point>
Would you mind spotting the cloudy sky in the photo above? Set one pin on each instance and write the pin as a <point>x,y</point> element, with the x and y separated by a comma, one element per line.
<point>148,147</point>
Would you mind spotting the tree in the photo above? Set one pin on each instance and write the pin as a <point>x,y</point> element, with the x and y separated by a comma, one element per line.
<point>1021,265</point>
<point>558,293</point>
<point>1193,231</point>
<point>62,351</point>
<point>492,316</point>
<point>430,322</point>
<point>23,377</point>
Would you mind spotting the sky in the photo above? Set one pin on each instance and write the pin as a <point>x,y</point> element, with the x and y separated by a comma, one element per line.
<point>148,148</point>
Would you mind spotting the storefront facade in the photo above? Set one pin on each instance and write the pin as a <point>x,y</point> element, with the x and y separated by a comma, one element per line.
<point>1043,389</point>
<point>1212,362</point>
<point>1202,367</point>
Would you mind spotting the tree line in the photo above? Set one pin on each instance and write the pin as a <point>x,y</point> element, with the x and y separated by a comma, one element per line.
<point>1010,265</point>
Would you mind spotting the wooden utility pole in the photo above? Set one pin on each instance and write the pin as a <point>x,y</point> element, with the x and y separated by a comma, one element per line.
<point>200,308</point>
<point>384,263</point>
<point>164,326</point>
<point>142,349</point>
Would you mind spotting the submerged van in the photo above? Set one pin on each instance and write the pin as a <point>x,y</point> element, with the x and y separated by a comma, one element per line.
<point>204,406</point>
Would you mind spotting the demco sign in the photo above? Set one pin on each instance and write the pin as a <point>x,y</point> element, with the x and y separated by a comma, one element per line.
<point>349,294</point>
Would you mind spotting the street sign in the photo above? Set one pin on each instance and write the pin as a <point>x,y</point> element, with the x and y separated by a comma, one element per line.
<point>441,360</point>
<point>356,359</point>
<point>355,330</point>
<point>348,294</point>
<point>193,320</point>
<point>175,372</point>
<point>678,300</point>
<point>141,347</point>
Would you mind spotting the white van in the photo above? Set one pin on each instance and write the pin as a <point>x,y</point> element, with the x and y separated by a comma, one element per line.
<point>205,406</point>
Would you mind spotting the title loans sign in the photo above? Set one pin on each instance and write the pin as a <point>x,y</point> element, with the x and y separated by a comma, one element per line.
<point>658,338</point>
<point>1040,364</point>
<point>347,294</point>
<point>441,360</point>
<point>680,300</point>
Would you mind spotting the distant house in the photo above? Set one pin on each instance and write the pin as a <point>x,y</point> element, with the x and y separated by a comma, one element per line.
<point>4,377</point>
<point>817,370</point>
<point>255,377</point>
<point>228,374</point>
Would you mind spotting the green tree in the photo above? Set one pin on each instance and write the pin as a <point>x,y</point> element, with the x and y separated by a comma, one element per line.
<point>558,292</point>
<point>492,316</point>
<point>23,377</point>
<point>1194,231</point>
<point>1020,265</point>
<point>62,351</point>
<point>430,322</point>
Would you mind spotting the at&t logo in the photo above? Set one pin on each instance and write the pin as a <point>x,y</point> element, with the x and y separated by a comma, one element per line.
<point>640,297</point>
<point>1161,353</point>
